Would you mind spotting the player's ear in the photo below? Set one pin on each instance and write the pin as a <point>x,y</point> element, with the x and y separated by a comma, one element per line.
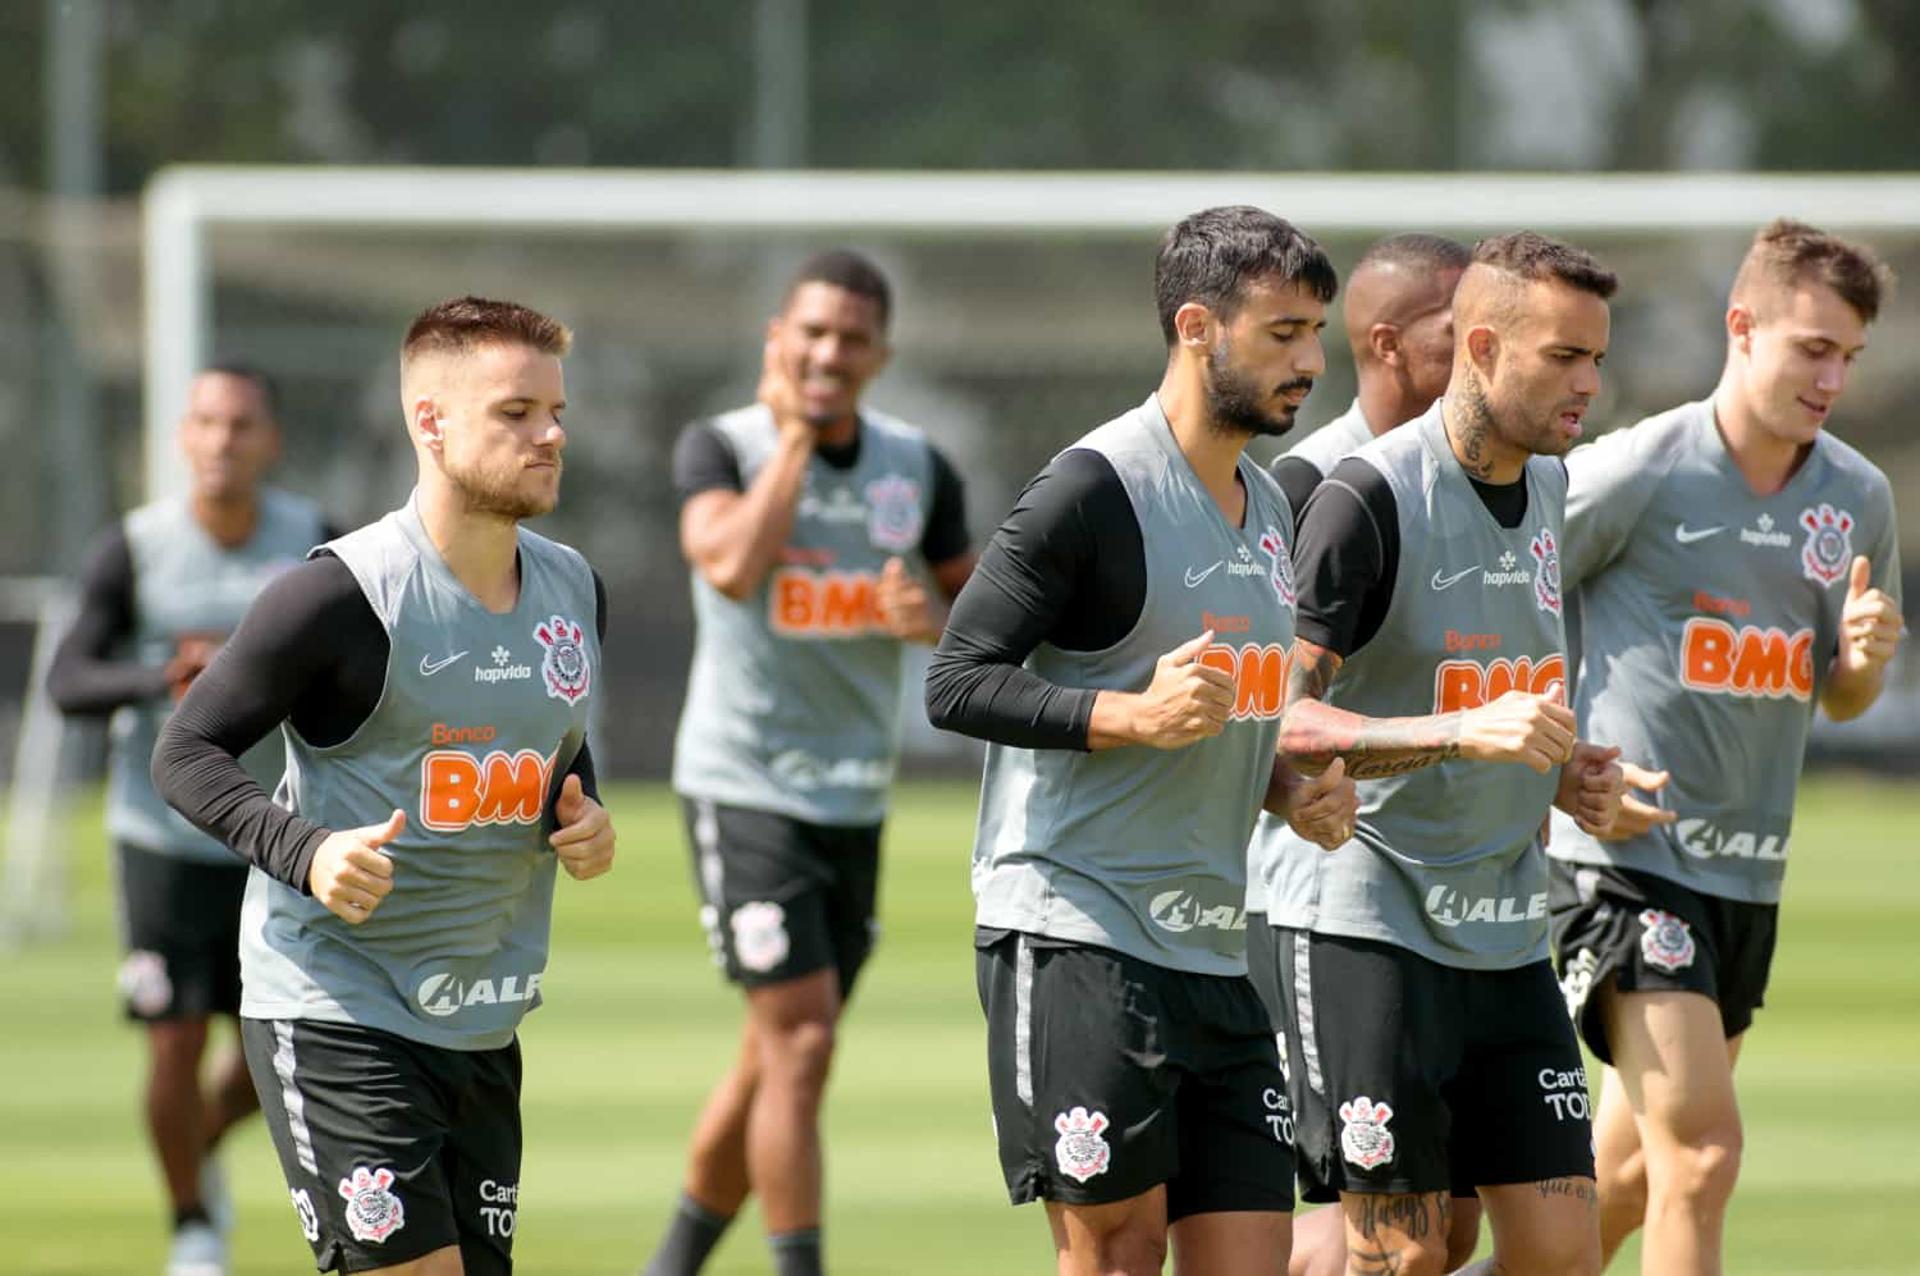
<point>425,416</point>
<point>1384,340</point>
<point>1740,326</point>
<point>1483,348</point>
<point>1193,326</point>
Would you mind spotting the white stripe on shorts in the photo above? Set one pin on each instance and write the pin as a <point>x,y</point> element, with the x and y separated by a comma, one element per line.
<point>1303,1009</point>
<point>296,1107</point>
<point>1023,1019</point>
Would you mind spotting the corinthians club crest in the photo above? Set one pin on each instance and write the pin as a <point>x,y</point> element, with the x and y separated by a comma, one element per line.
<point>565,666</point>
<point>373,1211</point>
<point>1546,580</point>
<point>1828,551</point>
<point>1281,571</point>
<point>894,518</point>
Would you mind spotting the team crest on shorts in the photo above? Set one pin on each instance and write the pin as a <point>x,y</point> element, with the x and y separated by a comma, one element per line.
<point>760,935</point>
<point>373,1211</point>
<point>1081,1151</point>
<point>1546,581</point>
<point>565,665</point>
<point>893,513</point>
<point>1364,1137</point>
<point>1667,942</point>
<point>1828,551</point>
<point>1281,572</point>
<point>144,982</point>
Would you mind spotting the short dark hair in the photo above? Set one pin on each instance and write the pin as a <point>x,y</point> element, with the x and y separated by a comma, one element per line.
<point>1791,253</point>
<point>465,323</point>
<point>1211,256</point>
<point>269,392</point>
<point>1417,250</point>
<point>1532,256</point>
<point>844,268</point>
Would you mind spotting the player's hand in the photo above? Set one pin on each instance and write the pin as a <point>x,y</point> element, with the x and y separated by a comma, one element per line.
<point>1870,624</point>
<point>906,608</point>
<point>1637,815</point>
<point>1591,787</point>
<point>350,873</point>
<point>1324,807</point>
<point>191,656</point>
<point>780,392</point>
<point>1519,727</point>
<point>1187,701</point>
<point>584,840</point>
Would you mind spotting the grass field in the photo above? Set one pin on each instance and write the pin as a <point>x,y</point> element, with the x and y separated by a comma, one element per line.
<point>636,1024</point>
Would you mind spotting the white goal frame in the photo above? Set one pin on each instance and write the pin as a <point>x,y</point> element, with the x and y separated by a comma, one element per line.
<point>184,203</point>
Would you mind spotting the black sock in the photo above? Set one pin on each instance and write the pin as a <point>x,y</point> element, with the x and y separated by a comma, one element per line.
<point>691,1235</point>
<point>191,1214</point>
<point>796,1253</point>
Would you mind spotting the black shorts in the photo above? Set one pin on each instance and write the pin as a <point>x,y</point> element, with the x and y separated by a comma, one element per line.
<point>781,898</point>
<point>180,921</point>
<point>1650,934</point>
<point>391,1149</point>
<point>1410,1076</point>
<point>1112,1075</point>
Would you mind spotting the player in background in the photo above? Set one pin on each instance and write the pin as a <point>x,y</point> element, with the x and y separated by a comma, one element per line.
<point>822,536</point>
<point>1429,1053</point>
<point>1736,565</point>
<point>1122,647</point>
<point>162,589</point>
<point>431,674</point>
<point>1398,315</point>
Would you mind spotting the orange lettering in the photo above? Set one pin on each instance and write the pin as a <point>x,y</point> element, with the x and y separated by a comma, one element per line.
<point>516,787</point>
<point>449,790</point>
<point>1718,659</point>
<point>1468,684</point>
<point>1259,676</point>
<point>458,791</point>
<point>825,604</point>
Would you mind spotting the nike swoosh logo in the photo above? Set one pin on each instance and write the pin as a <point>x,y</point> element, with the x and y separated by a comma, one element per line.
<point>428,668</point>
<point>1687,536</point>
<point>1447,582</point>
<point>1194,578</point>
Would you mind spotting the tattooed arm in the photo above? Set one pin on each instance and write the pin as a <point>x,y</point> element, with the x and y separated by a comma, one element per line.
<point>1518,727</point>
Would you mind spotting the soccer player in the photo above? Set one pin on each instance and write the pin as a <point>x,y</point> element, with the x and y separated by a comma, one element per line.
<point>1122,648</point>
<point>432,674</point>
<point>1398,312</point>
<point>822,536</point>
<point>162,589</point>
<point>1736,565</point>
<point>1429,1053</point>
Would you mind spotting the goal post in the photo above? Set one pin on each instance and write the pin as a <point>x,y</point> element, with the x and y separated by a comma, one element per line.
<point>183,203</point>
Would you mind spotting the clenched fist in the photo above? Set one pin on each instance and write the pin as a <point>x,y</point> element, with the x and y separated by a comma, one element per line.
<point>350,874</point>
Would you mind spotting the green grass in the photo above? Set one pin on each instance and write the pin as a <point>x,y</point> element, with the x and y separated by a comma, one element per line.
<point>636,1025</point>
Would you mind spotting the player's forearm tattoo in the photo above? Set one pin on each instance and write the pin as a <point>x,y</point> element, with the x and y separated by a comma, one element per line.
<point>1385,1224</point>
<point>1318,732</point>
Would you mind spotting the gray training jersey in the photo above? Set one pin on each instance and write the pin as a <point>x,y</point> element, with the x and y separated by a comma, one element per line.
<point>793,701</point>
<point>187,584</point>
<point>480,717</point>
<point>1138,849</point>
<point>1445,860</point>
<point>1709,616</point>
<point>1335,441</point>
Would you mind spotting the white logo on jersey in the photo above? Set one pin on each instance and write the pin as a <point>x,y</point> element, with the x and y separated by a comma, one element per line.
<point>894,520</point>
<point>1828,552</point>
<point>1510,573</point>
<point>442,994</point>
<point>1081,1151</point>
<point>1451,907</point>
<point>1688,535</point>
<point>504,670</point>
<point>428,668</point>
<point>1179,912</point>
<point>1194,578</point>
<point>802,770</point>
<point>564,666</point>
<point>1448,582</point>
<point>1706,840</point>
<point>840,506</point>
<point>1762,533</point>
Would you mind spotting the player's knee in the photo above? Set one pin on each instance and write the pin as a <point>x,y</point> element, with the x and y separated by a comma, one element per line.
<point>799,1053</point>
<point>1704,1170</point>
<point>1133,1249</point>
<point>177,1044</point>
<point>1562,1252</point>
<point>1404,1256</point>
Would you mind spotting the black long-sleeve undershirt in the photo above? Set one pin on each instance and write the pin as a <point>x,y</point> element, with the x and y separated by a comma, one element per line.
<point>1067,567</point>
<point>310,652</point>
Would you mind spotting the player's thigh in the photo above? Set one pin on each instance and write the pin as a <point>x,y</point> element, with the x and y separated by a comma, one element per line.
<point>765,893</point>
<point>1241,1243</point>
<point>1127,1235</point>
<point>1404,1232</point>
<point>1675,1066</point>
<point>360,1121</point>
<point>445,1261</point>
<point>482,1159</point>
<point>1084,1099</point>
<point>1520,1101</point>
<point>1551,1227</point>
<point>1374,1034</point>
